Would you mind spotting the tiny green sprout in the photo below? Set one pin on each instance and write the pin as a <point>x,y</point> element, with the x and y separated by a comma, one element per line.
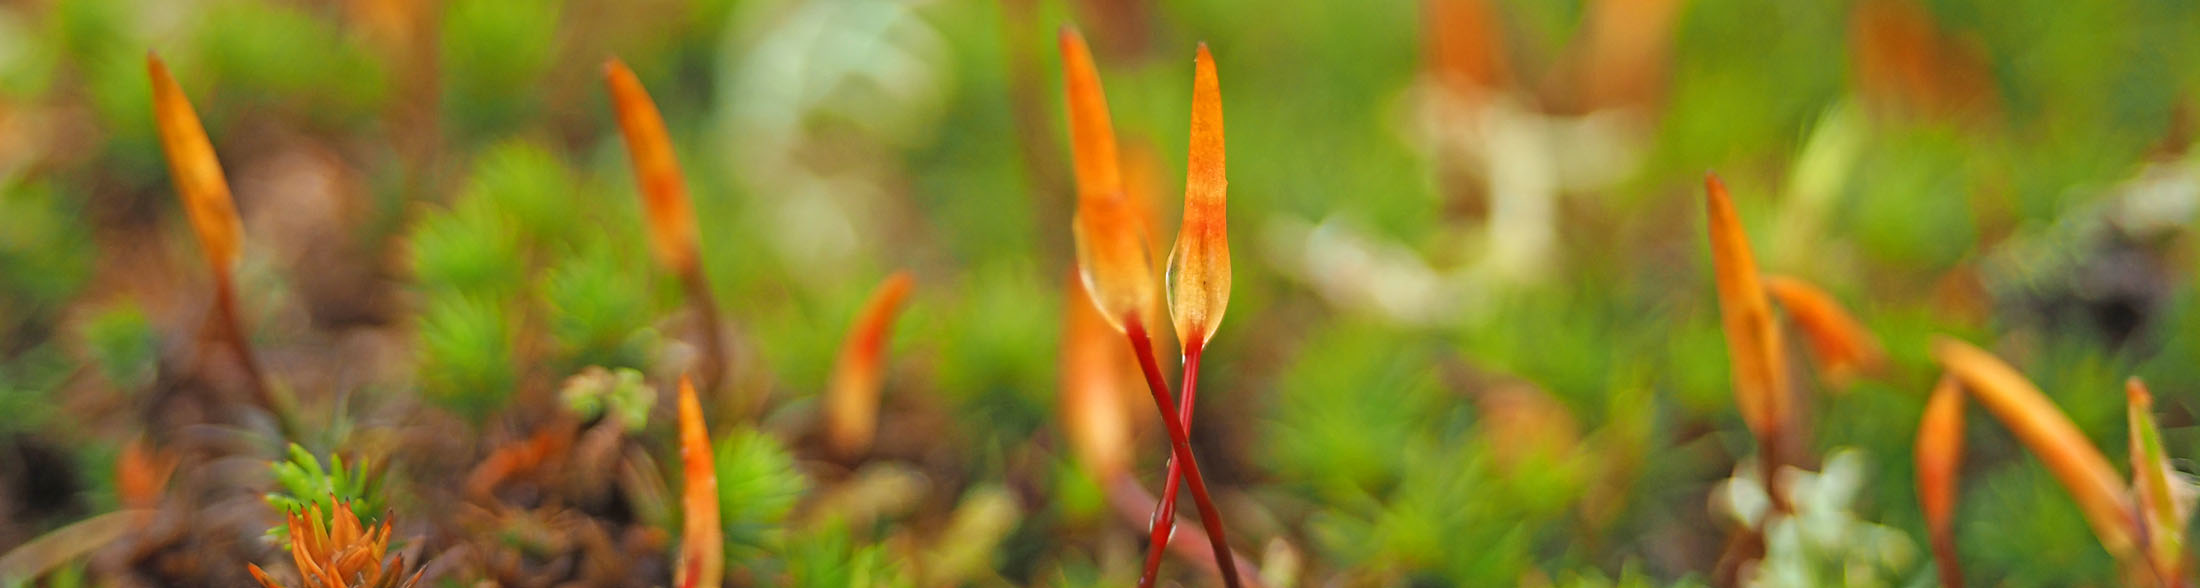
<point>616,393</point>
<point>301,482</point>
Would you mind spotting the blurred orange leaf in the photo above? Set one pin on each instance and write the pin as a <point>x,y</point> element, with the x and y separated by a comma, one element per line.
<point>1906,63</point>
<point>197,174</point>
<point>1840,344</point>
<point>1464,45</point>
<point>656,169</point>
<point>851,405</point>
<point>2050,435</point>
<point>141,474</point>
<point>1939,456</point>
<point>702,543</point>
<point>1752,336</point>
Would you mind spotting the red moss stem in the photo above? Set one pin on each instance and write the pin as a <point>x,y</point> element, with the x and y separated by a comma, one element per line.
<point>1180,444</point>
<point>1164,516</point>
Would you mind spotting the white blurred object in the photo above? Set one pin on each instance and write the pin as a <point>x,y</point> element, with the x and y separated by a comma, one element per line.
<point>1354,270</point>
<point>1526,160</point>
<point>1822,543</point>
<point>875,70</point>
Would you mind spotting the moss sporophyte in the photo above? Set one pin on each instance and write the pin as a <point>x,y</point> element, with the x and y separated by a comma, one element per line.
<point>1116,266</point>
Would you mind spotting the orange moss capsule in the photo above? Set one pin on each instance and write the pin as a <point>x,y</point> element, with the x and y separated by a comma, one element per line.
<point>1752,336</point>
<point>1113,251</point>
<point>198,175</point>
<point>851,404</point>
<point>702,543</point>
<point>1199,267</point>
<point>1939,455</point>
<point>1840,344</point>
<point>656,169</point>
<point>2050,435</point>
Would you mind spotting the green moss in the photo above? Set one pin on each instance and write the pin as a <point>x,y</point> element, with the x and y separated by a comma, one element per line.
<point>465,354</point>
<point>123,345</point>
<point>758,486</point>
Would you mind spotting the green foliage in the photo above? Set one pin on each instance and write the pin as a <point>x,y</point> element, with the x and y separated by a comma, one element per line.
<point>301,482</point>
<point>1630,577</point>
<point>45,250</point>
<point>1326,433</point>
<point>995,368</point>
<point>466,355</point>
<point>123,345</point>
<point>1912,208</point>
<point>597,305</point>
<point>529,183</point>
<point>1077,496</point>
<point>474,247</point>
<point>26,381</point>
<point>829,558</point>
<point>2017,527</point>
<point>274,49</point>
<point>492,52</point>
<point>758,486</point>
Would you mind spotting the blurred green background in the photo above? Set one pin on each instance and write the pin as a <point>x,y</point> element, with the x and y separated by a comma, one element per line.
<point>1437,208</point>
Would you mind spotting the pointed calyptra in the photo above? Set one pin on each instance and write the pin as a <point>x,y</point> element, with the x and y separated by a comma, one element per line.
<point>1113,251</point>
<point>2050,435</point>
<point>702,559</point>
<point>851,405</point>
<point>1840,344</point>
<point>1199,267</point>
<point>198,175</point>
<point>1939,453</point>
<point>1752,336</point>
<point>664,191</point>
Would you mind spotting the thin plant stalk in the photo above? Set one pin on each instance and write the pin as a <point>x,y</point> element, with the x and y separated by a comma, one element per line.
<point>1180,445</point>
<point>1164,515</point>
<point>204,189</point>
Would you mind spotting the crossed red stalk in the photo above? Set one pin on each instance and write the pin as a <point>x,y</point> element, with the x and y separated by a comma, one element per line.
<point>1181,462</point>
<point>1164,516</point>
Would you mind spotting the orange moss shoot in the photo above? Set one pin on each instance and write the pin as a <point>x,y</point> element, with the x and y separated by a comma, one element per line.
<point>702,559</point>
<point>851,404</point>
<point>1939,455</point>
